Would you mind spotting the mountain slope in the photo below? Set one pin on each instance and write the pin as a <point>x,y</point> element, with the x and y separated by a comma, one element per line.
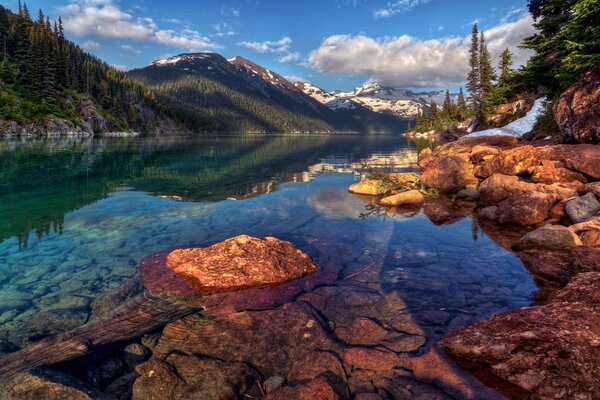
<point>239,96</point>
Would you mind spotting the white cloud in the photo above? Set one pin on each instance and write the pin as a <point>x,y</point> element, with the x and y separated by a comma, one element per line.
<point>90,45</point>
<point>104,19</point>
<point>398,7</point>
<point>119,67</point>
<point>281,47</point>
<point>295,78</point>
<point>130,49</point>
<point>407,61</point>
<point>291,57</point>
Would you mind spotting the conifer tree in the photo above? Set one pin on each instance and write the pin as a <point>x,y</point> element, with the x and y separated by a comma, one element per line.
<point>448,107</point>
<point>473,78</point>
<point>462,105</point>
<point>486,76</point>
<point>506,62</point>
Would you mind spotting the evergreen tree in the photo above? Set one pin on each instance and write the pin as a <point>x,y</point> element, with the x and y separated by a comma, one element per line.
<point>486,77</point>
<point>473,78</point>
<point>506,62</point>
<point>448,107</point>
<point>462,106</point>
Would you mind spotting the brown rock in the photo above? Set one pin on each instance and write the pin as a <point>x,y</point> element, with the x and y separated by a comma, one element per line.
<point>577,110</point>
<point>585,159</point>
<point>552,237</point>
<point>593,187</point>
<point>405,198</point>
<point>592,224</point>
<point>368,187</point>
<point>362,331</point>
<point>499,187</point>
<point>509,162</point>
<point>443,211</point>
<point>375,359</point>
<point>591,238</point>
<point>490,213</point>
<point>315,389</point>
<point>559,211</point>
<point>552,172</point>
<point>482,153</point>
<point>425,157</point>
<point>449,174</point>
<point>545,352</point>
<point>189,377</point>
<point>464,147</point>
<point>240,263</point>
<point>318,364</point>
<point>583,208</point>
<point>367,396</point>
<point>525,209</point>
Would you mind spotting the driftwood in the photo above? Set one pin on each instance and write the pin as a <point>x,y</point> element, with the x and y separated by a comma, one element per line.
<point>137,316</point>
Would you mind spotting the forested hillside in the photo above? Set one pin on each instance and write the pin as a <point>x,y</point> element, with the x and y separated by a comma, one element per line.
<point>45,77</point>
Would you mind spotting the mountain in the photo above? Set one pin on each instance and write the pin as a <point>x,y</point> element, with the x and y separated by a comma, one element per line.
<point>238,95</point>
<point>380,99</point>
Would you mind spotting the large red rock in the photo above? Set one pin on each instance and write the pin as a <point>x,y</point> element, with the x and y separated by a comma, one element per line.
<point>509,162</point>
<point>526,209</point>
<point>553,172</point>
<point>551,237</point>
<point>542,352</point>
<point>240,263</point>
<point>499,187</point>
<point>577,111</point>
<point>449,174</point>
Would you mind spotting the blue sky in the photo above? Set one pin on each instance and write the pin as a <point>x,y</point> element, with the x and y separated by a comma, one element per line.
<point>336,44</point>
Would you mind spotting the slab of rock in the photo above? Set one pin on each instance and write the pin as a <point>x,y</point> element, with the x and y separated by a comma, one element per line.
<point>552,172</point>
<point>368,187</point>
<point>526,209</point>
<point>545,352</point>
<point>405,198</point>
<point>583,208</point>
<point>552,237</point>
<point>449,174</point>
<point>240,263</point>
<point>577,111</point>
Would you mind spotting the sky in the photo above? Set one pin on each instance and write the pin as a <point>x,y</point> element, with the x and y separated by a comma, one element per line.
<point>335,44</point>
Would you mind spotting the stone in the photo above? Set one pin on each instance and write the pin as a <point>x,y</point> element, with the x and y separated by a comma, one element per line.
<point>481,153</point>
<point>134,354</point>
<point>368,396</point>
<point>425,157</point>
<point>368,187</point>
<point>273,383</point>
<point>362,331</point>
<point>48,384</point>
<point>509,162</point>
<point>103,374</point>
<point>316,389</point>
<point>591,238</point>
<point>499,187</point>
<point>541,352</point>
<point>375,359</point>
<point>470,193</point>
<point>150,340</point>
<point>592,187</point>
<point>577,110</point>
<point>592,224</point>
<point>490,213</point>
<point>526,209</point>
<point>181,376</point>
<point>449,174</point>
<point>240,263</point>
<point>583,208</point>
<point>405,198</point>
<point>585,159</point>
<point>551,237</point>
<point>559,209</point>
<point>442,211</point>
<point>122,387</point>
<point>552,172</point>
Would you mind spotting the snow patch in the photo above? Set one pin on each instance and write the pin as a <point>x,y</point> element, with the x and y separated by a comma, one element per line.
<point>520,127</point>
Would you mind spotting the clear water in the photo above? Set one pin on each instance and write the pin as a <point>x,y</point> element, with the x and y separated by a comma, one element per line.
<point>77,217</point>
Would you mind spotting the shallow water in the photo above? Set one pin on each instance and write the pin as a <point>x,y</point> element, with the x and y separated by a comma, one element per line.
<point>77,217</point>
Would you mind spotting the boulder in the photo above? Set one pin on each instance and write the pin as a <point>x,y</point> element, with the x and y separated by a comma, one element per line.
<point>362,331</point>
<point>509,162</point>
<point>425,157</point>
<point>541,352</point>
<point>499,187</point>
<point>404,177</point>
<point>552,237</point>
<point>240,263</point>
<point>469,193</point>
<point>593,187</point>
<point>585,159</point>
<point>443,211</point>
<point>526,209</point>
<point>405,198</point>
<point>577,111</point>
<point>482,153</point>
<point>591,238</point>
<point>552,172</point>
<point>583,208</point>
<point>318,388</point>
<point>449,174</point>
<point>490,213</point>
<point>368,187</point>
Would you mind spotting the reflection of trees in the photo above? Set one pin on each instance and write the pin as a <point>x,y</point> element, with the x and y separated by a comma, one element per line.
<point>42,181</point>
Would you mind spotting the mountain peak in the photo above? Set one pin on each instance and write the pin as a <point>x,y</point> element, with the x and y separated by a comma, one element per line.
<point>184,57</point>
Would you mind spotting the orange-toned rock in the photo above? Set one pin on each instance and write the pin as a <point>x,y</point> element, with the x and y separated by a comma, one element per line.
<point>526,209</point>
<point>362,331</point>
<point>577,111</point>
<point>425,157</point>
<point>552,172</point>
<point>593,187</point>
<point>449,174</point>
<point>585,159</point>
<point>369,187</point>
<point>375,359</point>
<point>499,187</point>
<point>240,263</point>
<point>509,162</point>
<point>318,388</point>
<point>411,197</point>
<point>591,238</point>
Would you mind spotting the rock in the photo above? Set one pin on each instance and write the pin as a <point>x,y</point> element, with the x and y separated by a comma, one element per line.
<point>593,187</point>
<point>316,389</point>
<point>320,364</point>
<point>150,340</point>
<point>273,383</point>
<point>585,159</point>
<point>404,177</point>
<point>526,209</point>
<point>490,213</point>
<point>405,198</point>
<point>470,193</point>
<point>591,238</point>
<point>552,172</point>
<point>583,208</point>
<point>375,359</point>
<point>240,263</point>
<point>101,375</point>
<point>577,110</point>
<point>122,387</point>
<point>499,187</point>
<point>425,157</point>
<point>368,396</point>
<point>545,352</point>
<point>362,331</point>
<point>48,384</point>
<point>449,174</point>
<point>551,237</point>
<point>368,187</point>
<point>182,376</point>
<point>443,211</point>
<point>481,153</point>
<point>592,224</point>
<point>135,354</point>
<point>509,162</point>
<point>559,209</point>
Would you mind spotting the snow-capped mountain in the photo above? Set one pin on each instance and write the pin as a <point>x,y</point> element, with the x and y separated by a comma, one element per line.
<point>400,102</point>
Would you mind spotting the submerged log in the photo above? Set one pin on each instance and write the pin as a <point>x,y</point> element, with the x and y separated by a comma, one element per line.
<point>135,317</point>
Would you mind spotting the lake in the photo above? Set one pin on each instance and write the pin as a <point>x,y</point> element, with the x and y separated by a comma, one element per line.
<point>76,218</point>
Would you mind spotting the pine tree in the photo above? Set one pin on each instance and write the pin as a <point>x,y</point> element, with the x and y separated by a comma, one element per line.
<point>506,62</point>
<point>486,76</point>
<point>448,107</point>
<point>473,78</point>
<point>462,105</point>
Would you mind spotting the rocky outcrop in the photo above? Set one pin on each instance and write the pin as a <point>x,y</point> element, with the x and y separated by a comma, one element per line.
<point>542,352</point>
<point>240,263</point>
<point>577,111</point>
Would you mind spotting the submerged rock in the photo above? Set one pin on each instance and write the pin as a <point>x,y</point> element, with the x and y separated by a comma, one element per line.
<point>240,263</point>
<point>544,352</point>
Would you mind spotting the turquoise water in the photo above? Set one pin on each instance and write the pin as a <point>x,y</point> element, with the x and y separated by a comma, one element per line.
<point>77,217</point>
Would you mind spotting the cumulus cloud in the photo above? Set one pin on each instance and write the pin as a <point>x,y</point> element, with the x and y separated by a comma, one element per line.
<point>407,61</point>
<point>90,45</point>
<point>105,19</point>
<point>295,78</point>
<point>281,47</point>
<point>398,7</point>
<point>130,49</point>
